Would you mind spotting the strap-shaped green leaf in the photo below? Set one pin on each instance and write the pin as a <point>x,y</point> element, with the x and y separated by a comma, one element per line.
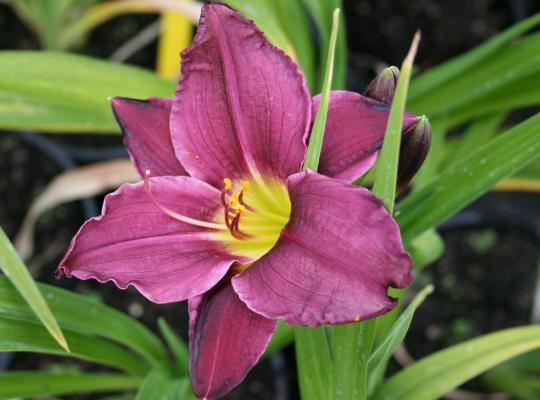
<point>313,153</point>
<point>399,330</point>
<point>439,373</point>
<point>314,363</point>
<point>85,315</point>
<point>477,134</point>
<point>520,93</point>
<point>16,335</point>
<point>516,61</point>
<point>295,22</point>
<point>176,345</point>
<point>321,14</point>
<point>514,381</point>
<point>12,266</point>
<point>49,18</point>
<point>379,359</point>
<point>457,66</point>
<point>159,385</point>
<point>350,359</point>
<point>59,92</point>
<point>386,174</point>
<point>39,384</point>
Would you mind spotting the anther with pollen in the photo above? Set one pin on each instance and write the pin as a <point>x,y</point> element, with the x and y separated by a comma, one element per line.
<point>234,207</point>
<point>245,188</point>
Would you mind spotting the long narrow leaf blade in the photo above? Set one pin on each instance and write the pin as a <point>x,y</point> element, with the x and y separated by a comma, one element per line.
<point>176,345</point>
<point>58,92</point>
<point>398,332</point>
<point>29,337</point>
<point>458,65</point>
<point>295,23</point>
<point>386,173</point>
<point>439,373</point>
<point>314,363</point>
<point>317,133</point>
<point>320,11</point>
<point>349,357</point>
<point>40,384</point>
<point>517,61</point>
<point>86,316</point>
<point>392,337</point>
<point>159,385</point>
<point>521,93</point>
<point>12,266</point>
<point>477,134</point>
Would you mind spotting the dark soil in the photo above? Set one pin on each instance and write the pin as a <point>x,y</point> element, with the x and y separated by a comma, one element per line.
<point>485,279</point>
<point>380,31</point>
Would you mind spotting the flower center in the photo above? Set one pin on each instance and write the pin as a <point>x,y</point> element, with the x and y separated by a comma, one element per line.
<point>254,212</point>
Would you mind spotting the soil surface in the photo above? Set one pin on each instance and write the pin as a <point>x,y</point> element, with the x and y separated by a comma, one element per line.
<point>485,279</point>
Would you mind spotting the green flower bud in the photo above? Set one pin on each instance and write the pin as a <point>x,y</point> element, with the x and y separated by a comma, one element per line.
<point>414,149</point>
<point>383,87</point>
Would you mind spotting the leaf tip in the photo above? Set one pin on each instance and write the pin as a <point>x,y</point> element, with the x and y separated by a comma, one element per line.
<point>409,59</point>
<point>61,340</point>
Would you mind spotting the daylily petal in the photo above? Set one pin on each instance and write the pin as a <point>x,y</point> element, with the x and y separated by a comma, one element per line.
<point>145,126</point>
<point>242,105</point>
<point>226,339</point>
<point>334,261</point>
<point>354,133</point>
<point>134,243</point>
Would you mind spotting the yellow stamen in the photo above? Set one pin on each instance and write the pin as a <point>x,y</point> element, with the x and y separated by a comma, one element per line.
<point>257,210</point>
<point>233,200</point>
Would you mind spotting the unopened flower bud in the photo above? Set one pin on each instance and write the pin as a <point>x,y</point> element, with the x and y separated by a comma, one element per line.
<point>414,149</point>
<point>383,87</point>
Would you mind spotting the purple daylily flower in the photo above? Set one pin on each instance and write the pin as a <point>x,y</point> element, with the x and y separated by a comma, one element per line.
<point>226,219</point>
